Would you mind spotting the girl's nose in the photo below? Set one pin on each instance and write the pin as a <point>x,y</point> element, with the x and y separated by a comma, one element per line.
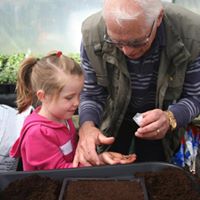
<point>76,101</point>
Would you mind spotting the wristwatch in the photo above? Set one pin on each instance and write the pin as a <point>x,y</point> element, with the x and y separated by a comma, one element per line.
<point>172,120</point>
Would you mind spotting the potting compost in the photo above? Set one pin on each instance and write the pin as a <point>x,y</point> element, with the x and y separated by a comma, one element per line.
<point>171,184</point>
<point>34,187</point>
<point>100,190</point>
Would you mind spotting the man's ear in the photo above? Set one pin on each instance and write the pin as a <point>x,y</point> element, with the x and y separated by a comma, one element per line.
<point>160,17</point>
<point>40,95</point>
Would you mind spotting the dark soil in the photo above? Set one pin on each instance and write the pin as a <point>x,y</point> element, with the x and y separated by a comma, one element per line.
<point>34,187</point>
<point>171,184</point>
<point>104,190</point>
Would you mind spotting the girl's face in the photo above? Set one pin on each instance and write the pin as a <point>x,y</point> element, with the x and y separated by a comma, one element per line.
<point>63,106</point>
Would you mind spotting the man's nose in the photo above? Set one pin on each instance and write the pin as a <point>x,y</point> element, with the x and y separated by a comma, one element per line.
<point>127,50</point>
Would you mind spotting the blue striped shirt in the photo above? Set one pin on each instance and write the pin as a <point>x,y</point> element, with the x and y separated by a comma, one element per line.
<point>143,74</point>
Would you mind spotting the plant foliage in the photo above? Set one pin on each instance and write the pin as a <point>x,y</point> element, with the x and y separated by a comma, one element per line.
<point>9,66</point>
<point>75,57</point>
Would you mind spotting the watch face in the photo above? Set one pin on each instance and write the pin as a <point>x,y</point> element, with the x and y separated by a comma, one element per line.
<point>173,124</point>
<point>172,120</point>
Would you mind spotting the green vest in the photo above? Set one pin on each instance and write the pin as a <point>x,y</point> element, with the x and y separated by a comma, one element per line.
<point>182,29</point>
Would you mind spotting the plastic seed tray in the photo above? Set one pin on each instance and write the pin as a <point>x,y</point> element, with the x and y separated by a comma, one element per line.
<point>109,181</point>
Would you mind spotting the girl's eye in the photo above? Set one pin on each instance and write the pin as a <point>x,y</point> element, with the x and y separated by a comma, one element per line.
<point>68,98</point>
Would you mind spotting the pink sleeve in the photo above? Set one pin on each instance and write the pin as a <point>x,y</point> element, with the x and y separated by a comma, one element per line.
<point>41,151</point>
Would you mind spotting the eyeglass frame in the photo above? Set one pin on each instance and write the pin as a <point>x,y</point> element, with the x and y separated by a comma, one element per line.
<point>132,44</point>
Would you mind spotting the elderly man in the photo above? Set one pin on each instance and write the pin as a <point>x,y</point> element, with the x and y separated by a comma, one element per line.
<point>138,56</point>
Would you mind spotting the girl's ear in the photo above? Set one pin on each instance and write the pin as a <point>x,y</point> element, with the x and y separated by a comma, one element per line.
<point>40,95</point>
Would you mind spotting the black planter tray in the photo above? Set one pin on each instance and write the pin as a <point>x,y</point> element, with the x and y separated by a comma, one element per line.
<point>8,94</point>
<point>108,171</point>
<point>117,172</point>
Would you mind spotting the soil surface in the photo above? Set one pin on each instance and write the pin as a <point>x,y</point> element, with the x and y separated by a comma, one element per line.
<point>171,184</point>
<point>34,187</point>
<point>104,190</point>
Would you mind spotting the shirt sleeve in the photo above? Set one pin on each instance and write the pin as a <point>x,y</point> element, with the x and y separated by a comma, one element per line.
<point>93,96</point>
<point>42,151</point>
<point>188,107</point>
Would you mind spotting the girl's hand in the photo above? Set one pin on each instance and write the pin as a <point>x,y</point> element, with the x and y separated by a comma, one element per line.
<point>113,158</point>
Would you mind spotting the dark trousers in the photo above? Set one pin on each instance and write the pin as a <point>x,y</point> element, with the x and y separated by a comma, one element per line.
<point>146,150</point>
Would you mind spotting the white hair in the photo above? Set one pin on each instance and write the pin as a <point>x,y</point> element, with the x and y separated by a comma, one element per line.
<point>121,10</point>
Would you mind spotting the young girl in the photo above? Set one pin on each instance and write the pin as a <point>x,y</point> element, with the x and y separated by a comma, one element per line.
<point>48,138</point>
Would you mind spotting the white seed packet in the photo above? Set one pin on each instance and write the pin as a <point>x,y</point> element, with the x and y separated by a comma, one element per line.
<point>137,118</point>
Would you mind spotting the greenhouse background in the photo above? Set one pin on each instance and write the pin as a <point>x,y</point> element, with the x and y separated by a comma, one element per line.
<point>38,26</point>
<point>42,25</point>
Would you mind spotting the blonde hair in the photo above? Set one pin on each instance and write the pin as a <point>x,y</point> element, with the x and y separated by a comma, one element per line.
<point>46,74</point>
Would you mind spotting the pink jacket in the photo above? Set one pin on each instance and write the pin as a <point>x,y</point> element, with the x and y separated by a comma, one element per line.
<point>45,144</point>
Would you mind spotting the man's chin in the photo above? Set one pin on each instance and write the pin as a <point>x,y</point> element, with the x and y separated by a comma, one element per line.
<point>134,57</point>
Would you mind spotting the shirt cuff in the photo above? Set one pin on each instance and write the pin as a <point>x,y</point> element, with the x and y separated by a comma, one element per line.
<point>89,115</point>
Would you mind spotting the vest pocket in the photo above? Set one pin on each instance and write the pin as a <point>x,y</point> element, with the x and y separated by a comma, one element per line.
<point>175,86</point>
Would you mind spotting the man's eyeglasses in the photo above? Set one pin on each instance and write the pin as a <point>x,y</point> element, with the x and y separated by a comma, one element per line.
<point>133,44</point>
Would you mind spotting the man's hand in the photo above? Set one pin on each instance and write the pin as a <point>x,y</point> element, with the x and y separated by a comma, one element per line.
<point>154,125</point>
<point>89,138</point>
<point>113,158</point>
